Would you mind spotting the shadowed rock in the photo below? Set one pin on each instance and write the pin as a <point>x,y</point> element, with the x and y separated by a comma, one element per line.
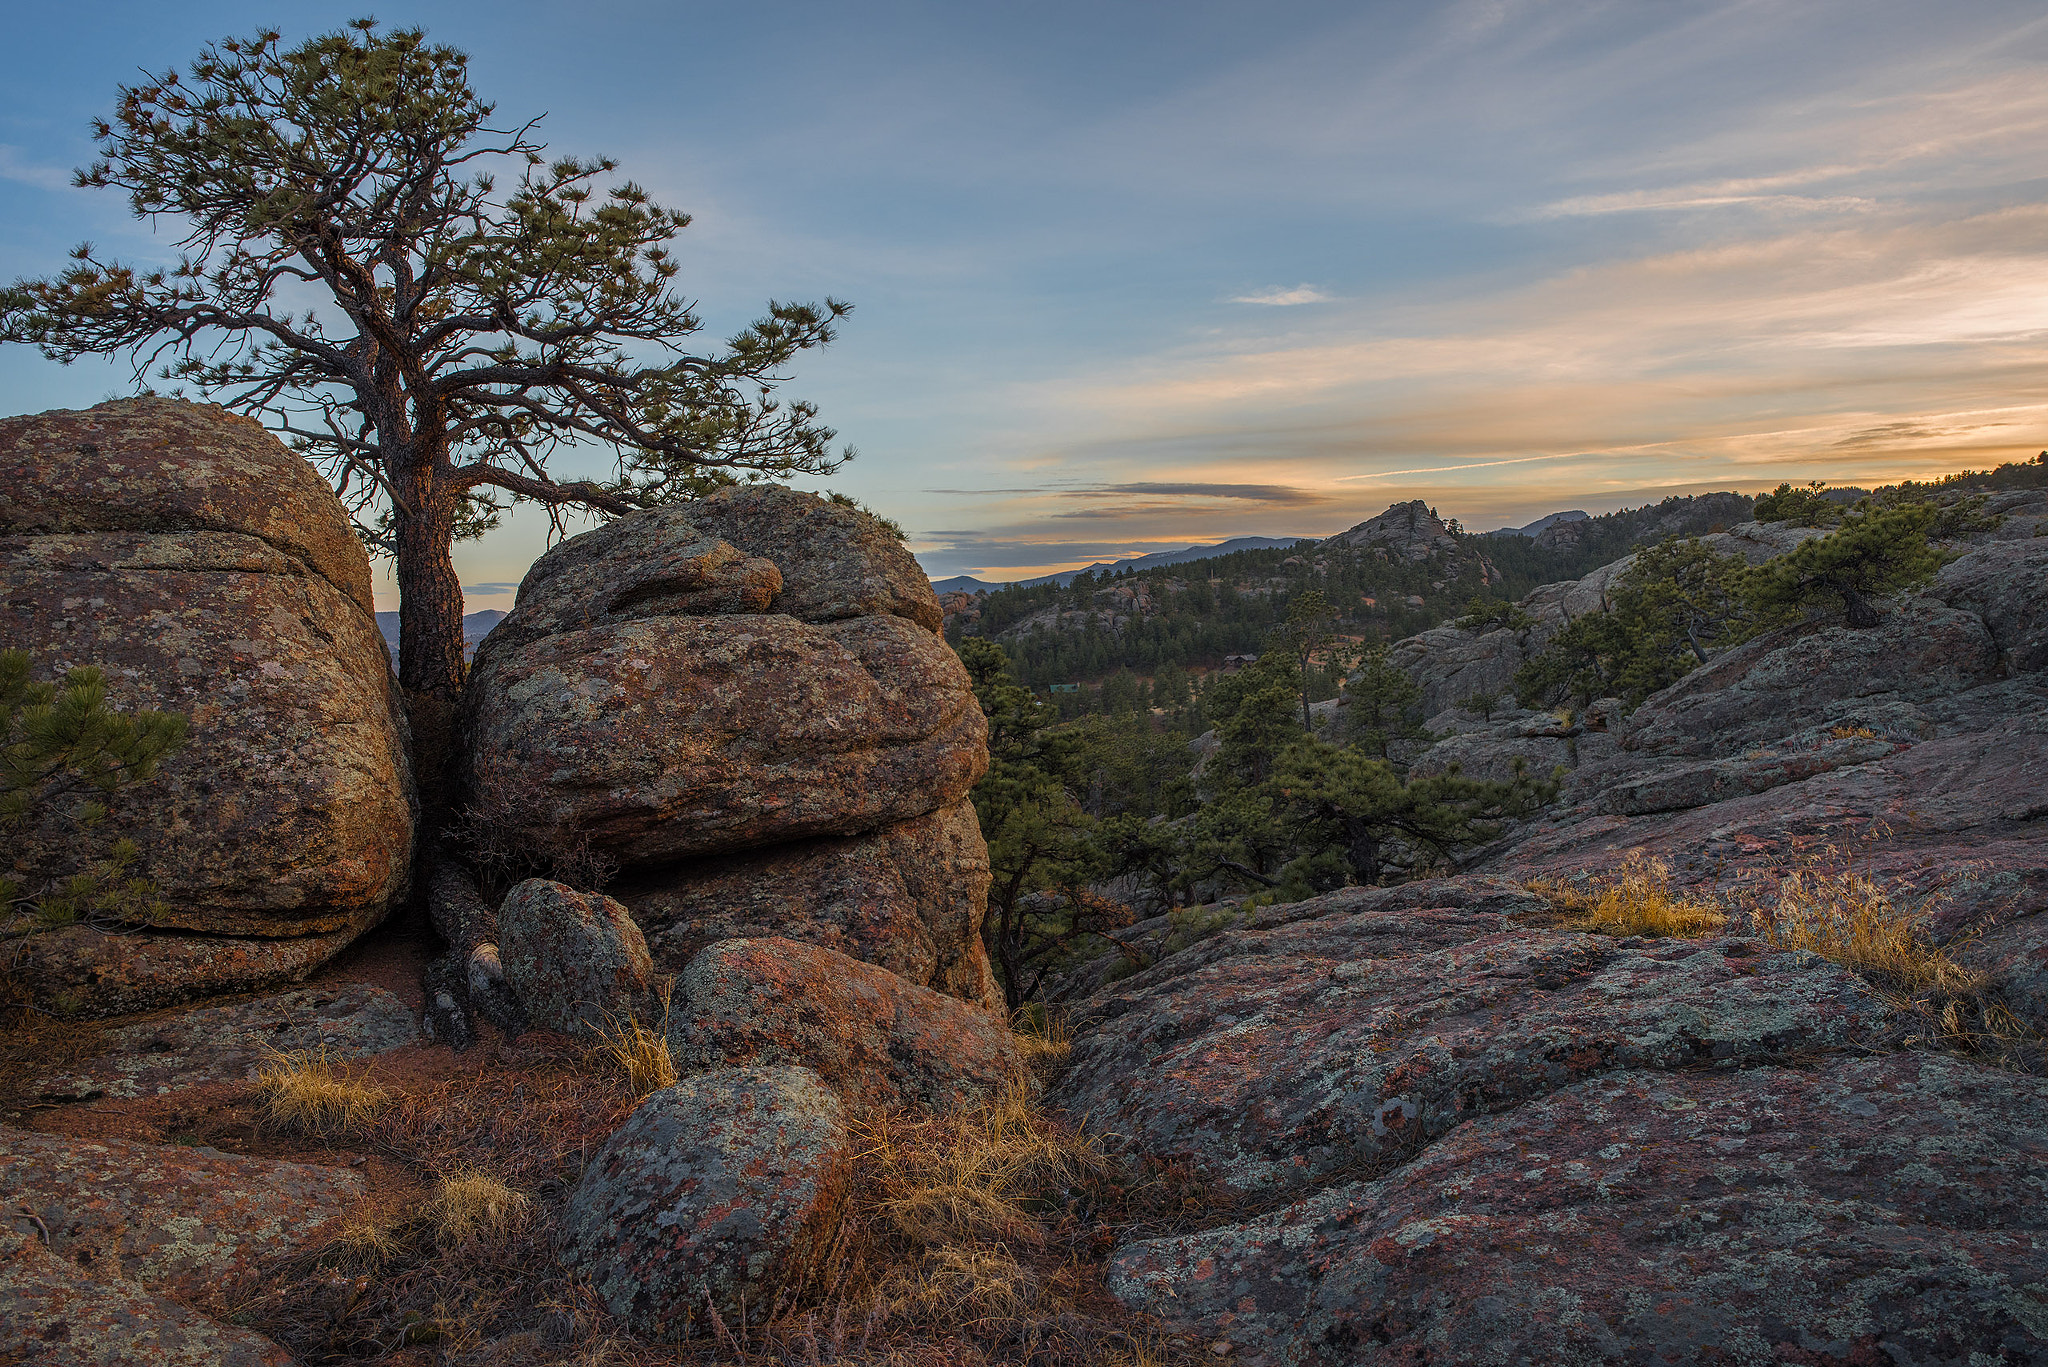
<point>909,898</point>
<point>574,960</point>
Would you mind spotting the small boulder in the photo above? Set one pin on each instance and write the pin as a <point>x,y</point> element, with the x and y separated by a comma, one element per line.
<point>574,960</point>
<point>727,1184</point>
<point>836,561</point>
<point>878,1038</point>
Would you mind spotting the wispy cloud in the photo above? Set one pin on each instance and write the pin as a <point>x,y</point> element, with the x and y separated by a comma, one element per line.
<point>1300,294</point>
<point>16,167</point>
<point>1255,493</point>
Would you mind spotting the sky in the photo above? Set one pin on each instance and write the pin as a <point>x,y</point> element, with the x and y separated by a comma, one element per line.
<point>1134,276</point>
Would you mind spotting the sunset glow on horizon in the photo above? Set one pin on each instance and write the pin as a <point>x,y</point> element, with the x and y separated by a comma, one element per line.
<point>1134,277</point>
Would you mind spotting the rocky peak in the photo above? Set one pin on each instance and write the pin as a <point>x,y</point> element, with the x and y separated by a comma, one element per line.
<point>1406,531</point>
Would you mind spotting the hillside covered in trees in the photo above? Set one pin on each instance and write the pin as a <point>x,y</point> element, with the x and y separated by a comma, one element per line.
<point>1395,575</point>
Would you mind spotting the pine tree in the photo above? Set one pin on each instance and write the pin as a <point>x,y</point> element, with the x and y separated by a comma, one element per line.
<point>1875,554</point>
<point>64,753</point>
<point>352,273</point>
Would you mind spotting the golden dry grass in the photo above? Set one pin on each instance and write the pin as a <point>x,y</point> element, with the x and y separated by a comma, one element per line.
<point>948,1213</point>
<point>1852,733</point>
<point>1043,1036</point>
<point>305,1093</point>
<point>1638,900</point>
<point>640,1053</point>
<point>1852,918</point>
<point>469,1205</point>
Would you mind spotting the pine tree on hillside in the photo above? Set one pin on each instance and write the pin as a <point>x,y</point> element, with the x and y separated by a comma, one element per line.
<point>1875,554</point>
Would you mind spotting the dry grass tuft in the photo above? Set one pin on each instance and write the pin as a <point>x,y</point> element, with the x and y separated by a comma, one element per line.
<point>952,1218</point>
<point>1852,733</point>
<point>1637,901</point>
<point>304,1093</point>
<point>470,1205</point>
<point>1043,1037</point>
<point>1849,917</point>
<point>1846,915</point>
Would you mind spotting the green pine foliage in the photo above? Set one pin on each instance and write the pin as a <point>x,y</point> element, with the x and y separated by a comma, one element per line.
<point>64,754</point>
<point>1804,507</point>
<point>1876,553</point>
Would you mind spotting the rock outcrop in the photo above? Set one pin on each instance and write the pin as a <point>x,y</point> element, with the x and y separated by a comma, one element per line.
<point>725,1186</point>
<point>1867,1210</point>
<point>875,1037</point>
<point>745,702</point>
<point>208,571</point>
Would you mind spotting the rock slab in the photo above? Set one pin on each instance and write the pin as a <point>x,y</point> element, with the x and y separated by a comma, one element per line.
<point>1878,1210</point>
<point>726,1185</point>
<point>234,1043</point>
<point>1278,1058</point>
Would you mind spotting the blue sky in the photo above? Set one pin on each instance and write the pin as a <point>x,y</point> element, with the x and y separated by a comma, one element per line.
<point>1130,276</point>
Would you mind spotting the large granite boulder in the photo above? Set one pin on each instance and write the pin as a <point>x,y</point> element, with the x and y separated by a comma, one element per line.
<point>210,571</point>
<point>910,898</point>
<point>876,1038</point>
<point>745,702</point>
<point>661,739</point>
<point>715,1194</point>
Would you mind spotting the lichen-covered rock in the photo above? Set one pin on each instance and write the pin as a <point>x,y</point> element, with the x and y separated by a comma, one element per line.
<point>1296,1052</point>
<point>644,565</point>
<point>163,465</point>
<point>876,1037</point>
<point>209,571</point>
<point>235,1042</point>
<point>55,1314</point>
<point>910,898</point>
<point>727,1185</point>
<point>2005,584</point>
<point>1815,675</point>
<point>657,740</point>
<point>100,1235</point>
<point>177,1220</point>
<point>1880,1210</point>
<point>836,561</point>
<point>574,960</point>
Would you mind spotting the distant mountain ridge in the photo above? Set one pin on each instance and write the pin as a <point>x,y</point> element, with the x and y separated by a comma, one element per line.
<point>475,627</point>
<point>1542,524</point>
<point>966,583</point>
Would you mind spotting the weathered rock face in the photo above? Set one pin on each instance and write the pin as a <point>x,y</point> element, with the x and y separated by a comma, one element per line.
<point>876,1037</point>
<point>909,898</point>
<point>744,700</point>
<point>209,571</point>
<point>101,1234</point>
<point>1869,1210</point>
<point>836,562</point>
<point>657,740</point>
<point>726,1185</point>
<point>574,960</point>
<point>1278,1057</point>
